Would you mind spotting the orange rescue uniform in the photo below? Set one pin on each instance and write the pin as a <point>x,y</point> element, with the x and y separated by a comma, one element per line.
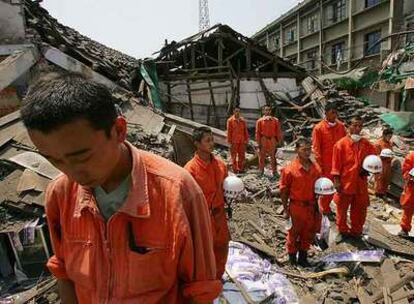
<point>383,180</point>
<point>268,135</point>
<point>172,260</point>
<point>303,208</point>
<point>210,177</point>
<point>407,197</point>
<point>237,137</point>
<point>324,137</point>
<point>347,164</point>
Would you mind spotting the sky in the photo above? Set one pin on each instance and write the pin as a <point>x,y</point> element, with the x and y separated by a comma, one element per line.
<point>140,27</point>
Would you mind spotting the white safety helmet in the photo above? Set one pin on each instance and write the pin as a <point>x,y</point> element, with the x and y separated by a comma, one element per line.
<point>233,187</point>
<point>411,173</point>
<point>324,186</point>
<point>372,164</point>
<point>387,153</point>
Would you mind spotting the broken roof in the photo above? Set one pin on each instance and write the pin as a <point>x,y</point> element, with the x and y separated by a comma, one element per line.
<point>221,46</point>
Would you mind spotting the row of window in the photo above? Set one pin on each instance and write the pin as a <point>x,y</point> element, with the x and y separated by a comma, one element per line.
<point>338,51</point>
<point>334,13</point>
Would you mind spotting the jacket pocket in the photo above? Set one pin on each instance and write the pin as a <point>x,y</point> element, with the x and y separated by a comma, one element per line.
<point>150,270</point>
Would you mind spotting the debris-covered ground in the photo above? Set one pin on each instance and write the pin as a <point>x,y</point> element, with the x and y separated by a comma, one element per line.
<point>257,221</point>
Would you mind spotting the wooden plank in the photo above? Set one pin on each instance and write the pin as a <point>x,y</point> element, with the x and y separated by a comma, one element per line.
<point>391,278</point>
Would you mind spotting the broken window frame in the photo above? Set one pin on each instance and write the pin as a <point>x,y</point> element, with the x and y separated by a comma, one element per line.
<point>369,40</point>
<point>336,12</point>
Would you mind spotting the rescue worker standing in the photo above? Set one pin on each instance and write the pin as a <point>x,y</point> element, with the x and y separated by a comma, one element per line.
<point>324,136</point>
<point>237,137</point>
<point>210,172</point>
<point>126,226</point>
<point>268,136</point>
<point>407,197</point>
<point>297,184</point>
<point>383,180</point>
<point>350,180</point>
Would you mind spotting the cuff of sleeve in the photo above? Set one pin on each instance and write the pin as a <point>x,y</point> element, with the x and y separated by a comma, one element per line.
<point>203,291</point>
<point>57,268</point>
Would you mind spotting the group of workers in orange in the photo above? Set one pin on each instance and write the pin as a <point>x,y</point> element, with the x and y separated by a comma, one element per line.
<point>339,155</point>
<point>128,226</point>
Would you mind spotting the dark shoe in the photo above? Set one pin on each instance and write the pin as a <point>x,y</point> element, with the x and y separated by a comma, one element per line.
<point>303,259</point>
<point>403,233</point>
<point>341,237</point>
<point>331,216</point>
<point>292,259</point>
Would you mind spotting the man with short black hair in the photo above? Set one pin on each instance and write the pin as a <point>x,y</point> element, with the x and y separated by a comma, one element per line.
<point>126,226</point>
<point>383,180</point>
<point>210,171</point>
<point>237,137</point>
<point>350,180</point>
<point>268,137</point>
<point>324,136</point>
<point>297,184</point>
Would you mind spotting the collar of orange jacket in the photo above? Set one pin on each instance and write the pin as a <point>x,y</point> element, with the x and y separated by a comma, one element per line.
<point>137,202</point>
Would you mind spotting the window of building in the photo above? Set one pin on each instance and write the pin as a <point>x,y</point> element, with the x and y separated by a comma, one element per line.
<point>369,3</point>
<point>311,57</point>
<point>371,48</point>
<point>336,11</point>
<point>337,53</point>
<point>410,37</point>
<point>273,43</point>
<point>290,35</point>
<point>312,24</point>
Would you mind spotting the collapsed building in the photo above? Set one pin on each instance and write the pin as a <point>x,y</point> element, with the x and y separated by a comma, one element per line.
<point>192,82</point>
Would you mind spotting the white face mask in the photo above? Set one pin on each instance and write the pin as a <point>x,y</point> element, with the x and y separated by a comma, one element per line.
<point>355,137</point>
<point>332,124</point>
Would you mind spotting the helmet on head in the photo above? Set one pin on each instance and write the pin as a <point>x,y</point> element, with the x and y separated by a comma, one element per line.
<point>372,164</point>
<point>387,153</point>
<point>233,187</point>
<point>324,186</point>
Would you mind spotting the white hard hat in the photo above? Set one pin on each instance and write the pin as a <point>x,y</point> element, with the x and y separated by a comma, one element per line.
<point>324,186</point>
<point>372,164</point>
<point>387,153</point>
<point>411,173</point>
<point>233,186</point>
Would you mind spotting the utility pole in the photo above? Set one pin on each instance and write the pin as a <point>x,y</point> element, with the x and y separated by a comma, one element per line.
<point>204,15</point>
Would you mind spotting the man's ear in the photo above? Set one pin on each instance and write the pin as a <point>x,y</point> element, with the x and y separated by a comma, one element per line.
<point>120,127</point>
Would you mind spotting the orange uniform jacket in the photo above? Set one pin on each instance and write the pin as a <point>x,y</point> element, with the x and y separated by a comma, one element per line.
<point>324,137</point>
<point>210,177</point>
<point>237,132</point>
<point>300,184</point>
<point>407,197</point>
<point>347,163</point>
<point>173,258</point>
<point>268,127</point>
<point>382,181</point>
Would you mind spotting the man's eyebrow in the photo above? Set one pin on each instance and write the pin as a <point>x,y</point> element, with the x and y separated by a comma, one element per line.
<point>77,153</point>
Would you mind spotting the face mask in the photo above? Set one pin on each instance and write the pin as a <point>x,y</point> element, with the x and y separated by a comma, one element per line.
<point>355,137</point>
<point>332,124</point>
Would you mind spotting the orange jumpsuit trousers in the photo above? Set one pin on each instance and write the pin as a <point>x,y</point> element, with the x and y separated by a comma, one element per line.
<point>407,197</point>
<point>237,137</point>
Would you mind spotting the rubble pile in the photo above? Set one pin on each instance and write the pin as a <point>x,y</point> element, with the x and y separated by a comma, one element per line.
<point>258,222</point>
<point>111,63</point>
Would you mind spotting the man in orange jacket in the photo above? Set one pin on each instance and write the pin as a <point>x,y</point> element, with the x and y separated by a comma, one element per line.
<point>126,226</point>
<point>268,136</point>
<point>237,137</point>
<point>210,171</point>
<point>383,180</point>
<point>297,184</point>
<point>350,180</point>
<point>407,197</point>
<point>324,136</point>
